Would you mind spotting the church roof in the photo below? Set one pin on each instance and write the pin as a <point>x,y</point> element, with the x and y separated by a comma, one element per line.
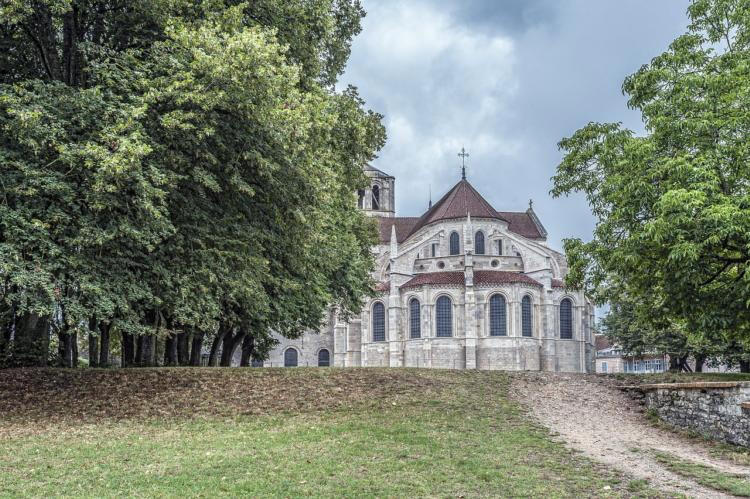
<point>378,173</point>
<point>480,277</point>
<point>459,202</point>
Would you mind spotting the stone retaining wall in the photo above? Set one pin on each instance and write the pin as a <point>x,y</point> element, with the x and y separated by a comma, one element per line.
<point>720,410</point>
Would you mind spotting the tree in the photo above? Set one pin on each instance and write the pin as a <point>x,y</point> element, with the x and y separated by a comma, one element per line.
<point>673,230</point>
<point>173,169</point>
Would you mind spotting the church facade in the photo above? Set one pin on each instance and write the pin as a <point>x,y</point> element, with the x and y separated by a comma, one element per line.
<point>463,286</point>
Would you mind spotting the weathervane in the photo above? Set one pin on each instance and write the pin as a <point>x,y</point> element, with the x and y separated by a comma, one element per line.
<point>463,155</point>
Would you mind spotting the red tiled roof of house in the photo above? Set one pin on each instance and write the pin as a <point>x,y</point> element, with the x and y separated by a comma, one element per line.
<point>601,342</point>
<point>480,277</point>
<point>383,286</point>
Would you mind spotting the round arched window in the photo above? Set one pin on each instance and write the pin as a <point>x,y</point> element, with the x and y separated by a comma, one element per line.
<point>444,317</point>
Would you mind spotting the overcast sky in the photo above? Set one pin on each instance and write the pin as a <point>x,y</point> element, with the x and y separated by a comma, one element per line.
<point>507,79</point>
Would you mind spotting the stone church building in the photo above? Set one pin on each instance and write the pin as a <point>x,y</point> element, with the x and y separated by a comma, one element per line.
<point>463,286</point>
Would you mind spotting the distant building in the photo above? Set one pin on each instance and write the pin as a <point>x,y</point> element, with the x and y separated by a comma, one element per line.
<point>610,359</point>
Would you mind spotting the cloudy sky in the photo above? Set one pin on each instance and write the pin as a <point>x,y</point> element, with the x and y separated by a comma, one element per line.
<point>507,79</point>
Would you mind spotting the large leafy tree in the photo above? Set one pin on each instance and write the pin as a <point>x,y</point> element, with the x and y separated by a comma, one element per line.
<point>172,168</point>
<point>673,207</point>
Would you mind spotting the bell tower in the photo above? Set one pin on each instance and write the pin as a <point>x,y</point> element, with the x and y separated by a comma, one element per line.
<point>379,198</point>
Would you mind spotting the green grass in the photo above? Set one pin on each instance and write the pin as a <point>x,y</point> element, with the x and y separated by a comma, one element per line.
<point>707,476</point>
<point>456,434</point>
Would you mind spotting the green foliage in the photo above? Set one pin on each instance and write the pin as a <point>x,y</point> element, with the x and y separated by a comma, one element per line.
<point>171,167</point>
<point>673,207</point>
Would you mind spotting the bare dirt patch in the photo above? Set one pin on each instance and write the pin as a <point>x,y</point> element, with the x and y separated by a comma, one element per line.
<point>34,398</point>
<point>593,416</point>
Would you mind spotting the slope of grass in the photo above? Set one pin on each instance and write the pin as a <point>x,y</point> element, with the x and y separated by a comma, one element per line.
<point>386,433</point>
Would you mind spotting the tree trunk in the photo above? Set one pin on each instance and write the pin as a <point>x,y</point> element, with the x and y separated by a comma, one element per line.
<point>170,350</point>
<point>684,366</point>
<point>74,349</point>
<point>229,347</point>
<point>196,349</point>
<point>93,344</point>
<point>745,366</point>
<point>148,350</point>
<point>183,349</point>
<point>248,345</point>
<point>674,363</point>
<point>213,358</point>
<point>104,328</point>
<point>139,349</point>
<point>65,348</point>
<point>31,344</point>
<point>128,350</point>
<point>700,360</point>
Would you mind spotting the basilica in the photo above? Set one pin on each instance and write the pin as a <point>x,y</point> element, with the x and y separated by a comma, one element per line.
<point>463,286</point>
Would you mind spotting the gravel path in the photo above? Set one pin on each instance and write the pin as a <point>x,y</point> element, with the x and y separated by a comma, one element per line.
<point>608,426</point>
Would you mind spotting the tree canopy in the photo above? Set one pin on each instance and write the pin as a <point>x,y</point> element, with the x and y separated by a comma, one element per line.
<point>672,239</point>
<point>172,168</point>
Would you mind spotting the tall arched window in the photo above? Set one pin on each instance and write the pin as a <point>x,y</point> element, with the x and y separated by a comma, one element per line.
<point>378,322</point>
<point>526,317</point>
<point>498,322</point>
<point>444,316</point>
<point>324,358</point>
<point>375,197</point>
<point>455,247</point>
<point>290,357</point>
<point>566,319</point>
<point>479,243</point>
<point>415,329</point>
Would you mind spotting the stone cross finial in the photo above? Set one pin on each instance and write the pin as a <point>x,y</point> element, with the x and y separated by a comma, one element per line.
<point>463,155</point>
<point>531,203</point>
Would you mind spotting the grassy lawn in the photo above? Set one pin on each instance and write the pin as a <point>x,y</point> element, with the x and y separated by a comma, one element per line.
<point>389,433</point>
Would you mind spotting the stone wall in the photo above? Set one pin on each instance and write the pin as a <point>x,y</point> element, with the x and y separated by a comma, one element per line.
<point>720,410</point>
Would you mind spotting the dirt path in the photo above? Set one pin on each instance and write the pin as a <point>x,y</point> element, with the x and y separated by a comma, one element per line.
<point>608,426</point>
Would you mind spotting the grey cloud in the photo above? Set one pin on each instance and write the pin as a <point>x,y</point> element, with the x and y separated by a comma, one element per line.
<point>507,79</point>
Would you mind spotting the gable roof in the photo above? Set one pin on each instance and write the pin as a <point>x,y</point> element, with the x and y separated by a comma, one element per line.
<point>403,225</point>
<point>458,202</point>
<point>480,277</point>
<point>462,200</point>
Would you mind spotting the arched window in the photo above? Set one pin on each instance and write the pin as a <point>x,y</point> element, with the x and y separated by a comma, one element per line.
<point>378,322</point>
<point>526,316</point>
<point>415,330</point>
<point>375,197</point>
<point>498,322</point>
<point>256,363</point>
<point>499,246</point>
<point>444,316</point>
<point>566,319</point>
<point>290,357</point>
<point>455,247</point>
<point>479,243</point>
<point>360,199</point>
<point>324,358</point>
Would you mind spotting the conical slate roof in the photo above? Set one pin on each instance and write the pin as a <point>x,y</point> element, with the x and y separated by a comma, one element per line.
<point>458,202</point>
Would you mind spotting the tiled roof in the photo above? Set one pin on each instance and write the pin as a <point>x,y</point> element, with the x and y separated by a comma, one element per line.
<point>480,277</point>
<point>521,223</point>
<point>435,278</point>
<point>558,283</point>
<point>383,286</point>
<point>403,225</point>
<point>459,202</point>
<point>501,277</point>
<point>601,342</point>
